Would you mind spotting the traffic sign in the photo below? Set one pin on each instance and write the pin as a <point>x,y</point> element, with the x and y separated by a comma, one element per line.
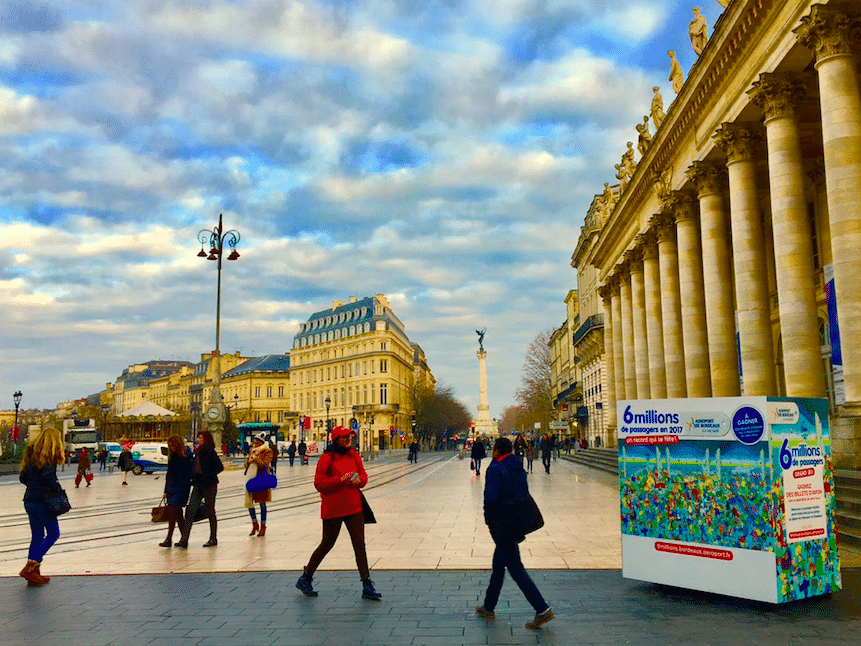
<point>561,426</point>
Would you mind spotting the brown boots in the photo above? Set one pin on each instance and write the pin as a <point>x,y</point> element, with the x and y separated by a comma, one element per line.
<point>32,574</point>
<point>262,531</point>
<point>258,529</point>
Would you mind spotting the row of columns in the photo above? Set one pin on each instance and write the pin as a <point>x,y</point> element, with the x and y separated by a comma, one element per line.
<point>670,325</point>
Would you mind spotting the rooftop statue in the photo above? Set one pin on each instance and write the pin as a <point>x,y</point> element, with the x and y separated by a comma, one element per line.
<point>628,160</point>
<point>644,137</point>
<point>622,176</point>
<point>480,334</point>
<point>699,31</point>
<point>676,75</point>
<point>609,198</point>
<point>658,114</point>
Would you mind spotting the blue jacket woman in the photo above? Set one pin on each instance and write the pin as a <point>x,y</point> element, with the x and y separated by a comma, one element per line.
<point>39,473</point>
<point>177,484</point>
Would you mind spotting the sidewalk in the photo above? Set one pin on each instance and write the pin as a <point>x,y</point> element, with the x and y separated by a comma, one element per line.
<point>594,607</point>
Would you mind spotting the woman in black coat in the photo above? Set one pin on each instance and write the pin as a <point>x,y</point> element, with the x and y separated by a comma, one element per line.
<point>477,454</point>
<point>204,479</point>
<point>177,484</point>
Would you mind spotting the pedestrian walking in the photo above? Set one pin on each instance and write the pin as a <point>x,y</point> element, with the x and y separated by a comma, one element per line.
<point>303,450</point>
<point>530,455</point>
<point>557,447</point>
<point>339,477</point>
<point>177,484</point>
<point>103,459</point>
<point>477,453</point>
<point>204,480</point>
<point>39,474</point>
<point>291,452</point>
<point>126,463</point>
<point>546,451</point>
<point>414,451</point>
<point>260,457</point>
<point>504,485</point>
<point>520,447</point>
<point>273,466</point>
<point>84,471</point>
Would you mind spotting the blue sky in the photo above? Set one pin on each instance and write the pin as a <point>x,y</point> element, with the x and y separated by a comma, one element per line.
<point>441,152</point>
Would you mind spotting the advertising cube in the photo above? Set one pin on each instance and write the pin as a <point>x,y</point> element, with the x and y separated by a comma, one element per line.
<point>729,495</point>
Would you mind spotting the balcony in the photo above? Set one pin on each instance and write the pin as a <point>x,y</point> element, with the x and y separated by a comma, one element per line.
<point>591,323</point>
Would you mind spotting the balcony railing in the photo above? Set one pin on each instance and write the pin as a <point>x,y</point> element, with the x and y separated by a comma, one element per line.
<point>594,321</point>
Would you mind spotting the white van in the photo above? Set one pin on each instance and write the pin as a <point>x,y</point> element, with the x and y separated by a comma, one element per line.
<point>114,450</point>
<point>149,457</point>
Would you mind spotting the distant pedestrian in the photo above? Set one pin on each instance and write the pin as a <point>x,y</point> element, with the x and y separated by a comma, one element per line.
<point>84,468</point>
<point>478,453</point>
<point>273,466</point>
<point>126,463</point>
<point>260,457</point>
<point>505,483</point>
<point>339,477</point>
<point>177,484</point>
<point>530,455</point>
<point>414,451</point>
<point>204,479</point>
<point>520,447</point>
<point>103,459</point>
<point>291,452</point>
<point>303,450</point>
<point>557,446</point>
<point>39,473</point>
<point>546,451</point>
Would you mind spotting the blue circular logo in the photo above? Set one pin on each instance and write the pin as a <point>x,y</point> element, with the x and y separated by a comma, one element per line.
<point>748,425</point>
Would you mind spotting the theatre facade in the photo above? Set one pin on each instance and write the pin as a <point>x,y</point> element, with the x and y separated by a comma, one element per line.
<point>729,262</point>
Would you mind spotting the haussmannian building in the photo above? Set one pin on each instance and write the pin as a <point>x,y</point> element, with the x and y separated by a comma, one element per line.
<point>729,264</point>
<point>357,356</point>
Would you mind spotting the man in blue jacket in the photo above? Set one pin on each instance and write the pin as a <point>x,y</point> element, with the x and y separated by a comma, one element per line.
<point>505,482</point>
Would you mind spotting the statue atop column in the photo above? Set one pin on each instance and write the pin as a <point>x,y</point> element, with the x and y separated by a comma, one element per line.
<point>677,77</point>
<point>622,176</point>
<point>609,198</point>
<point>698,31</point>
<point>481,334</point>
<point>658,114</point>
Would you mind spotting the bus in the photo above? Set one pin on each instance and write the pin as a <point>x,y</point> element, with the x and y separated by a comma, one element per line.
<point>79,434</point>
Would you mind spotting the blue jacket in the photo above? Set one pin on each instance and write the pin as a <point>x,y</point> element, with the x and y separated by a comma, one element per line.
<point>40,482</point>
<point>504,483</point>
<point>177,483</point>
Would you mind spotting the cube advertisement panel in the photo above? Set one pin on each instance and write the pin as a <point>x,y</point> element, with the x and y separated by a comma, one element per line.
<point>729,495</point>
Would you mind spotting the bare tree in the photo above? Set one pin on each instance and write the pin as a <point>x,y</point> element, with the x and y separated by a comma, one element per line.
<point>438,412</point>
<point>535,394</point>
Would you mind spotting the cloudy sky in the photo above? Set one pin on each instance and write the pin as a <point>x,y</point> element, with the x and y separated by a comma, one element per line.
<point>441,152</point>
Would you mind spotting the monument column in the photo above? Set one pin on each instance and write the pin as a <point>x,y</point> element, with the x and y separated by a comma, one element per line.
<point>671,306</point>
<point>627,332</point>
<point>618,352</point>
<point>698,375</point>
<point>740,143</point>
<point>638,316</point>
<point>710,180</point>
<point>654,321</point>
<point>777,96</point>
<point>609,381</point>
<point>483,424</point>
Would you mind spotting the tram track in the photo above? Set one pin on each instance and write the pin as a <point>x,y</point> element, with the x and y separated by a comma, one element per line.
<point>300,493</point>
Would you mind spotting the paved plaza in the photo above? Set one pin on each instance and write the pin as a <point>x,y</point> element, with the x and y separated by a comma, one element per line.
<point>430,554</point>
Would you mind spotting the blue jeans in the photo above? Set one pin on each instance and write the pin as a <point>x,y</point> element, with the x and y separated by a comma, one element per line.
<point>507,555</point>
<point>44,529</point>
<point>477,464</point>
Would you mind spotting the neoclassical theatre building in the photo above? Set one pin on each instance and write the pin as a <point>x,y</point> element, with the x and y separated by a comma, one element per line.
<point>728,260</point>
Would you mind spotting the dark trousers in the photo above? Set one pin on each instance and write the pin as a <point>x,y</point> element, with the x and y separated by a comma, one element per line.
<point>507,555</point>
<point>331,528</point>
<point>545,460</point>
<point>206,496</point>
<point>477,462</point>
<point>44,530</point>
<point>291,458</point>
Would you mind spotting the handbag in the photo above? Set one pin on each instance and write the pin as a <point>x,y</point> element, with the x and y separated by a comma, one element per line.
<point>525,517</point>
<point>159,513</point>
<point>261,482</point>
<point>367,512</point>
<point>57,502</point>
<point>472,465</point>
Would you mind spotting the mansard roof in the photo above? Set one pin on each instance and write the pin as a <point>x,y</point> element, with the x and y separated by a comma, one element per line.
<point>269,363</point>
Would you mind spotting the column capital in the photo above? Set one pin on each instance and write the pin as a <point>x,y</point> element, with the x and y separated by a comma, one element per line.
<point>777,95</point>
<point>738,142</point>
<point>708,177</point>
<point>622,271</point>
<point>634,258</point>
<point>605,291</point>
<point>648,242</point>
<point>680,204</point>
<point>827,31</point>
<point>664,226</point>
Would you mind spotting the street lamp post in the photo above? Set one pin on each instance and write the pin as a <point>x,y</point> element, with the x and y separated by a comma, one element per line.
<point>105,409</point>
<point>328,421</point>
<point>217,238</point>
<point>16,397</point>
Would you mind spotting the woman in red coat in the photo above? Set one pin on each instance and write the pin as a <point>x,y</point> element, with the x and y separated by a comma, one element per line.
<point>339,476</point>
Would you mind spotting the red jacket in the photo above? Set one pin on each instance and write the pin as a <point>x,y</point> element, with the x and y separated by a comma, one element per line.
<point>339,498</point>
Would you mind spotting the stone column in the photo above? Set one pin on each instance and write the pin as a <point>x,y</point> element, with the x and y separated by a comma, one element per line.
<point>483,424</point>
<point>609,376</point>
<point>618,351</point>
<point>638,316</point>
<point>740,144</point>
<point>627,332</point>
<point>777,95</point>
<point>654,320</point>
<point>710,180</point>
<point>671,306</point>
<point>694,334</point>
<point>828,32</point>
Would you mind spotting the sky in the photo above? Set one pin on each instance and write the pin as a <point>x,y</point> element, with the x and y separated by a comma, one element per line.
<point>441,152</point>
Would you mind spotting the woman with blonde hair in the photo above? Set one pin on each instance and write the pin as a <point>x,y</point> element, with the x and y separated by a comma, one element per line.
<point>39,473</point>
